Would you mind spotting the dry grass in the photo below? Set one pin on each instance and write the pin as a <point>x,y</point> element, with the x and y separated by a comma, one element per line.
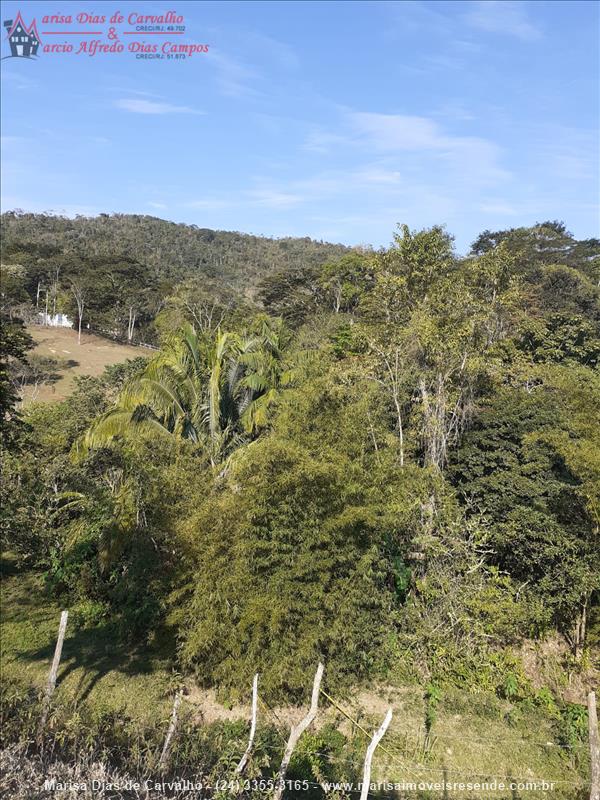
<point>549,663</point>
<point>475,733</point>
<point>91,357</point>
<point>26,776</point>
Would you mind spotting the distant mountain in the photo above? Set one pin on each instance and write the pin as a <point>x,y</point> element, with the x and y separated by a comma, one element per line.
<point>171,252</point>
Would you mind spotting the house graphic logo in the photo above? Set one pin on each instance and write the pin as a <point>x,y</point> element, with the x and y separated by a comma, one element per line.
<point>23,40</point>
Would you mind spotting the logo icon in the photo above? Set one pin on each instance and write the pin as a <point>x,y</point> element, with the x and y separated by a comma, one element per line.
<point>24,41</point>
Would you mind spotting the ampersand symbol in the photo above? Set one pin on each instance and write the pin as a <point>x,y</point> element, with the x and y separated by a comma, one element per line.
<point>112,33</point>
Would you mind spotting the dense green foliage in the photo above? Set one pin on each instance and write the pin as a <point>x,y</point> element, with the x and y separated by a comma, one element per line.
<point>14,343</point>
<point>131,267</point>
<point>389,461</point>
<point>541,531</point>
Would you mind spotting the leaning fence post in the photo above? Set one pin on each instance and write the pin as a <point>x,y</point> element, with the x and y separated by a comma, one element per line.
<point>594,747</point>
<point>296,733</point>
<point>377,737</point>
<point>246,756</point>
<point>171,730</point>
<point>53,672</point>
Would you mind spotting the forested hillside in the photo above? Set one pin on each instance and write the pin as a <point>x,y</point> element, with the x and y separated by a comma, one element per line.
<point>126,265</point>
<point>387,461</point>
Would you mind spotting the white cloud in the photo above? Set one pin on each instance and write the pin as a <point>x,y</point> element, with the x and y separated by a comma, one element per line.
<point>273,198</point>
<point>504,17</point>
<point>469,158</point>
<point>159,206</point>
<point>320,141</point>
<point>379,175</point>
<point>139,106</point>
<point>390,132</point>
<point>233,77</point>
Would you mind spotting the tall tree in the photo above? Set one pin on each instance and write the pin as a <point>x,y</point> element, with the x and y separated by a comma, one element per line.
<point>80,294</point>
<point>211,388</point>
<point>14,344</point>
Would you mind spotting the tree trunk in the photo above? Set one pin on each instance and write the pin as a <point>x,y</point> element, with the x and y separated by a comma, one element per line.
<point>580,630</point>
<point>394,374</point>
<point>131,323</point>
<point>79,295</point>
<point>400,428</point>
<point>594,748</point>
<point>337,302</point>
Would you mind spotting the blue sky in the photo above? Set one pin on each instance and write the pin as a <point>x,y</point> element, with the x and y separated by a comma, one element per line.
<point>329,119</point>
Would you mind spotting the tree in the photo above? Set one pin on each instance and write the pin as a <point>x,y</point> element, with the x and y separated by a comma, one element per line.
<point>267,366</point>
<point>13,294</point>
<point>543,244</point>
<point>343,282</point>
<point>14,344</point>
<point>36,372</point>
<point>560,338</point>
<point>429,323</point>
<point>291,571</point>
<point>392,373</point>
<point>512,467</point>
<point>291,295</point>
<point>164,251</point>
<point>211,389</point>
<point>406,479</point>
<point>79,293</point>
<point>182,391</point>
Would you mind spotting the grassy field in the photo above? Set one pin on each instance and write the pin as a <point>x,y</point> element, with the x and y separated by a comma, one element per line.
<point>475,734</point>
<point>93,667</point>
<point>88,358</point>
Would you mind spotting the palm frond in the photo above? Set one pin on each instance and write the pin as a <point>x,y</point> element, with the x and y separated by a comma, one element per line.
<point>116,424</point>
<point>257,414</point>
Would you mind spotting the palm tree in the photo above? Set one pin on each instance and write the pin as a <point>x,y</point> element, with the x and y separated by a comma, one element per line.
<point>181,392</point>
<point>267,369</point>
<point>210,389</point>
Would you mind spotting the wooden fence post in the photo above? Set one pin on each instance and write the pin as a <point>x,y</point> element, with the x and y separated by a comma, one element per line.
<point>53,672</point>
<point>594,748</point>
<point>246,756</point>
<point>162,762</point>
<point>377,737</point>
<point>296,733</point>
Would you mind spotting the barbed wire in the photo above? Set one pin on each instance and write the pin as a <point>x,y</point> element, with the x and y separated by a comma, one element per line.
<point>507,740</point>
<point>397,758</point>
<point>445,769</point>
<point>415,734</point>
